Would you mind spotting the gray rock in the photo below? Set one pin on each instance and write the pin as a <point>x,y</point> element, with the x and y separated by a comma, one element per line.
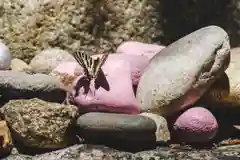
<point>93,152</point>
<point>162,132</point>
<point>179,75</point>
<point>91,25</point>
<point>40,124</point>
<point>19,85</point>
<point>48,59</point>
<point>116,126</point>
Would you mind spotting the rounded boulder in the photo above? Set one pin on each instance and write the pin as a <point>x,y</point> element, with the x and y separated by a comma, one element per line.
<point>195,125</point>
<point>178,76</point>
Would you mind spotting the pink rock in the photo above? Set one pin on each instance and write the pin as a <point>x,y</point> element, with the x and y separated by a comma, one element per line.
<point>137,64</point>
<point>138,48</point>
<point>67,72</point>
<point>196,125</point>
<point>115,93</point>
<point>68,67</point>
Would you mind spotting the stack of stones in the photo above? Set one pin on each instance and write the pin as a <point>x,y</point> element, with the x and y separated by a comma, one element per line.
<point>149,94</point>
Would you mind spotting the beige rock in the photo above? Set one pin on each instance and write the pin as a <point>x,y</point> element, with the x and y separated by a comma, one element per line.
<point>37,123</point>
<point>162,131</point>
<point>179,75</point>
<point>19,65</point>
<point>6,139</point>
<point>48,59</point>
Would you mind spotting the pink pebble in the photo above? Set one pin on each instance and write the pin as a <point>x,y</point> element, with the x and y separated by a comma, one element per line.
<point>195,125</point>
<point>138,48</point>
<point>67,67</point>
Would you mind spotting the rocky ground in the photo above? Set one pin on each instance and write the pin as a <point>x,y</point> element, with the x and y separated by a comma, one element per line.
<point>78,152</point>
<point>37,123</point>
<point>147,101</point>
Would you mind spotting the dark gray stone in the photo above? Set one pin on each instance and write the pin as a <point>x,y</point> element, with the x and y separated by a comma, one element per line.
<point>117,128</point>
<point>19,85</point>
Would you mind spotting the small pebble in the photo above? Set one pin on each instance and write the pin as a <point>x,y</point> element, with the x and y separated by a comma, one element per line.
<point>5,57</point>
<point>196,125</point>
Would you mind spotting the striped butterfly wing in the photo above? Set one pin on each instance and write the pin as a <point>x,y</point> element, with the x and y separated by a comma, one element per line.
<point>98,64</point>
<point>85,62</point>
<point>91,66</point>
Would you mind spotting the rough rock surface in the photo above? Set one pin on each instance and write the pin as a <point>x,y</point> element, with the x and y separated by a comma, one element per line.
<point>198,59</point>
<point>195,125</point>
<point>40,124</point>
<point>19,85</point>
<point>86,152</point>
<point>19,65</point>
<point>30,26</point>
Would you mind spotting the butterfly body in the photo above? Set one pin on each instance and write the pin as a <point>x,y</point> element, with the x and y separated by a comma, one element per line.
<point>91,66</point>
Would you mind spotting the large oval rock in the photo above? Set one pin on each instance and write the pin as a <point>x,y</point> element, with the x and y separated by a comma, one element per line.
<point>36,123</point>
<point>19,85</point>
<point>178,75</point>
<point>116,127</point>
<point>113,91</point>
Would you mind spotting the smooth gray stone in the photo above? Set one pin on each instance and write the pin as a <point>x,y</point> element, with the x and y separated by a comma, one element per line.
<point>19,85</point>
<point>179,75</point>
<point>116,126</point>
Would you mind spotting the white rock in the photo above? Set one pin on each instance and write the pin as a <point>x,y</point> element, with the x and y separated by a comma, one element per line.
<point>5,57</point>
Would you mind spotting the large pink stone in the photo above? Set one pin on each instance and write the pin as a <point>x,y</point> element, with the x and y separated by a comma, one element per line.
<point>137,64</point>
<point>115,93</point>
<point>195,125</point>
<point>138,48</point>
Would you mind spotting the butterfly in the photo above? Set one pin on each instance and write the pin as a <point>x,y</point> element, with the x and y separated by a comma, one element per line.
<point>91,66</point>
